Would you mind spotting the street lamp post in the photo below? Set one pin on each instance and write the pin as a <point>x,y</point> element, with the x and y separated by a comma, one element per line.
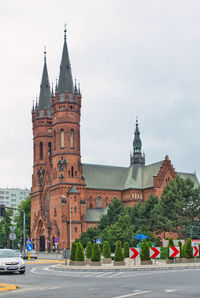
<point>70,222</point>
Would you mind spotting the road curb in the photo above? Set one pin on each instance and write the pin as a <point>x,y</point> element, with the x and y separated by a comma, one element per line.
<point>136,268</point>
<point>7,287</point>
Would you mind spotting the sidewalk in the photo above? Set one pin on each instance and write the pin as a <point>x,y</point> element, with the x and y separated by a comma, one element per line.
<point>49,256</point>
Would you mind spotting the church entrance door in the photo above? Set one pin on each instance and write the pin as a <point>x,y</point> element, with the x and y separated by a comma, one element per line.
<point>42,243</point>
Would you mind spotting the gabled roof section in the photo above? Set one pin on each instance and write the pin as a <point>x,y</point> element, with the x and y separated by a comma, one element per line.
<point>73,190</point>
<point>149,172</point>
<point>190,176</point>
<point>104,177</point>
<point>45,94</point>
<point>121,178</point>
<point>65,82</point>
<point>95,214</point>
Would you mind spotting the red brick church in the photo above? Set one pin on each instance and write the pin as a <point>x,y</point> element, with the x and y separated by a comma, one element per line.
<point>61,180</point>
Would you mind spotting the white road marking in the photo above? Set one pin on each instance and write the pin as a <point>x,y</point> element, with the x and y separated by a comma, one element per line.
<point>115,274</point>
<point>169,291</point>
<point>133,294</point>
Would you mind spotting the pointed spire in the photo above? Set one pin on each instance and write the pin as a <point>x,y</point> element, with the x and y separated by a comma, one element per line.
<point>65,82</point>
<point>137,157</point>
<point>44,98</point>
<point>137,144</point>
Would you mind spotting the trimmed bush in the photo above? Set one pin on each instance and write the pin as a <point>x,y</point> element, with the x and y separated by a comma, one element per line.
<point>188,249</point>
<point>184,251</point>
<point>79,252</point>
<point>126,250</point>
<point>144,251</point>
<point>96,254</point>
<point>181,250</point>
<point>73,251</point>
<point>89,250</point>
<point>106,250</point>
<point>170,243</point>
<point>118,252</point>
<point>163,252</point>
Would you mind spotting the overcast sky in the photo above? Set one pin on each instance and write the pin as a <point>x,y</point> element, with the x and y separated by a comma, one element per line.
<point>132,58</point>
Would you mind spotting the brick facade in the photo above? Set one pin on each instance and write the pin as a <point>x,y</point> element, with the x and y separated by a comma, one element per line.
<point>58,181</point>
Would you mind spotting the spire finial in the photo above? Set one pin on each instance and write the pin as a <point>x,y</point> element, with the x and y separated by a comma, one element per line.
<point>136,119</point>
<point>65,31</point>
<point>45,54</point>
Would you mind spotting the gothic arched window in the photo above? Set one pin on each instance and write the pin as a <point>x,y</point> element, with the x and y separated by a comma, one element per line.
<point>62,138</point>
<point>49,149</point>
<point>41,150</point>
<point>72,139</point>
<point>99,202</point>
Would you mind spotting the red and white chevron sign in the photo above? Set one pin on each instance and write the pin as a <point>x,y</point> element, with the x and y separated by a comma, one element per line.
<point>134,252</point>
<point>174,252</point>
<point>195,251</point>
<point>154,252</point>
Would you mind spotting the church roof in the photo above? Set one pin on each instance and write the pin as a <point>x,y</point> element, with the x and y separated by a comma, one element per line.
<point>121,178</point>
<point>94,214</point>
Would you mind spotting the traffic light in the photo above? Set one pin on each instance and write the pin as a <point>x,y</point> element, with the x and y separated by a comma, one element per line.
<point>2,210</point>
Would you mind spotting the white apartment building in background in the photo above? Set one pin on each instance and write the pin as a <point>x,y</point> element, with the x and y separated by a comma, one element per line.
<point>12,197</point>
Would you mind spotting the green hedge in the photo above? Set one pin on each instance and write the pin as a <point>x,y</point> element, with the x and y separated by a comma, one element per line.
<point>188,249</point>
<point>145,251</point>
<point>79,252</point>
<point>89,250</point>
<point>73,251</point>
<point>126,250</point>
<point>118,252</point>
<point>106,250</point>
<point>96,254</point>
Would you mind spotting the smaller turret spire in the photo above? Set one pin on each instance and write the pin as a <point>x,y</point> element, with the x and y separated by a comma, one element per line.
<point>75,87</point>
<point>52,93</point>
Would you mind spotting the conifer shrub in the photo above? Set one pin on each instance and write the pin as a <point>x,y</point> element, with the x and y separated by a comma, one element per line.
<point>184,251</point>
<point>188,249</point>
<point>163,252</point>
<point>170,243</point>
<point>79,252</point>
<point>144,251</point>
<point>118,252</point>
<point>96,254</point>
<point>89,250</point>
<point>181,249</point>
<point>126,250</point>
<point>73,251</point>
<point>106,250</point>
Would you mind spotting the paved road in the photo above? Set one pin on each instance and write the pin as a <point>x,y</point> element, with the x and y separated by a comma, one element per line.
<point>43,281</point>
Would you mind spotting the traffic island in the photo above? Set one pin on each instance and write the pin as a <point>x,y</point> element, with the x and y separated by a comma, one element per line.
<point>7,287</point>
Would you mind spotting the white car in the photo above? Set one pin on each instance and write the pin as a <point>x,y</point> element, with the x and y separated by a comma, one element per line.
<point>11,262</point>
